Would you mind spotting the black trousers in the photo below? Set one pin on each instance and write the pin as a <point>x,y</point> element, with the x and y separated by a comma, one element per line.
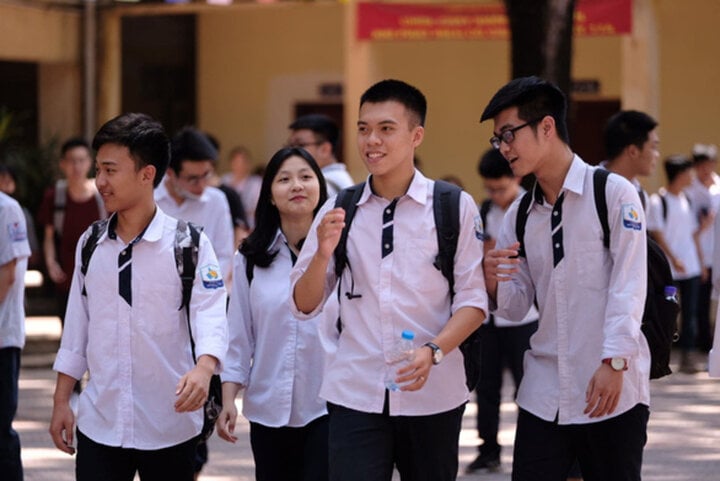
<point>501,347</point>
<point>97,462</point>
<point>291,454</point>
<point>366,446</point>
<point>609,450</point>
<point>10,464</point>
<point>704,331</point>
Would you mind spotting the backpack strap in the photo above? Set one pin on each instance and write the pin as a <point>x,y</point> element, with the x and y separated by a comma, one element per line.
<point>484,209</point>
<point>96,230</point>
<point>663,201</point>
<point>600,177</point>
<point>521,220</point>
<point>446,210</point>
<point>347,199</point>
<point>59,202</point>
<point>187,245</point>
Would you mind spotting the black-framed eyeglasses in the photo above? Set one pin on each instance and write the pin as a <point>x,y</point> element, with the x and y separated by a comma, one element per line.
<point>196,179</point>
<point>303,145</point>
<point>508,136</point>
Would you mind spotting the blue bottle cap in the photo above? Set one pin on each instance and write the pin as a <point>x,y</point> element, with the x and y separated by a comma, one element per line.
<point>670,291</point>
<point>409,335</point>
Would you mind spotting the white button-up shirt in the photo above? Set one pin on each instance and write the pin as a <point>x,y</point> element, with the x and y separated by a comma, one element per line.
<point>678,227</point>
<point>401,291</point>
<point>274,355</point>
<point>491,227</point>
<point>13,245</point>
<point>590,304</point>
<point>212,212</point>
<point>336,178</point>
<point>705,199</point>
<point>136,354</point>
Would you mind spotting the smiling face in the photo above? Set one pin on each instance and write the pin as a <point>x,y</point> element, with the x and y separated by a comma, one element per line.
<point>295,189</point>
<point>120,183</point>
<point>387,137</point>
<point>649,155</point>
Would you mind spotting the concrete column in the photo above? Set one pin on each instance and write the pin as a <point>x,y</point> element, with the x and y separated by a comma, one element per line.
<point>109,99</point>
<point>641,61</point>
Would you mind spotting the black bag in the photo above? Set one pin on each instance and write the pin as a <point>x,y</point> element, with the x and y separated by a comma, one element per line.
<point>446,212</point>
<point>659,321</point>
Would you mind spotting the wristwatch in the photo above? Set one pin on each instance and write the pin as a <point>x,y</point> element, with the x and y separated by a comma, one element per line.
<point>437,354</point>
<point>617,363</point>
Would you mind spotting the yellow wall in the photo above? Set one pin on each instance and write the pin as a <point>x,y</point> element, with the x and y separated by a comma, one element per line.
<point>690,74</point>
<point>51,37</point>
<point>255,63</point>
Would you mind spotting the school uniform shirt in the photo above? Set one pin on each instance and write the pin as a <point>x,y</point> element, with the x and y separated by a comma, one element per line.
<point>705,199</point>
<point>590,298</point>
<point>336,178</point>
<point>211,211</point>
<point>491,228</point>
<point>714,354</point>
<point>13,245</point>
<point>677,226</point>
<point>274,355</point>
<point>130,335</point>
<point>390,250</point>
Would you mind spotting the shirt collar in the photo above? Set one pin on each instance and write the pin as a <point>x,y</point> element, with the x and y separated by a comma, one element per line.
<point>417,190</point>
<point>153,232</point>
<point>574,180</point>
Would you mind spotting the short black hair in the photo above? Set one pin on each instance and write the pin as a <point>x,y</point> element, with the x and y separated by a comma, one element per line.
<point>190,144</point>
<point>144,138</point>
<point>534,98</point>
<point>676,164</point>
<point>321,125</point>
<point>73,142</point>
<point>397,90</point>
<point>625,128</point>
<point>493,165</point>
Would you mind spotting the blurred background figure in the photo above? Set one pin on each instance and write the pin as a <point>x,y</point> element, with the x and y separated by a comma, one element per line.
<point>244,181</point>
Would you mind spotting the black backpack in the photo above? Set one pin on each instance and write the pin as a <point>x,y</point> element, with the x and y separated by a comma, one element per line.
<point>659,321</point>
<point>187,244</point>
<point>446,211</point>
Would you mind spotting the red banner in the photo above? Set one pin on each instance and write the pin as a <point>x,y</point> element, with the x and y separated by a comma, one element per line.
<point>397,21</point>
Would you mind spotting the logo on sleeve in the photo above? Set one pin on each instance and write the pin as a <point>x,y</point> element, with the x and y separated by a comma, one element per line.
<point>480,229</point>
<point>17,232</point>
<point>630,217</point>
<point>211,277</point>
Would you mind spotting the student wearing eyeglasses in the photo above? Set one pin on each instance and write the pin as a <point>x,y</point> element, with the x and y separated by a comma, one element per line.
<point>185,194</point>
<point>585,390</point>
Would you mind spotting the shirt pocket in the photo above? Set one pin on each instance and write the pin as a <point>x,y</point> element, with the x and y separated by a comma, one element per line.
<point>592,261</point>
<point>414,264</point>
<point>160,300</point>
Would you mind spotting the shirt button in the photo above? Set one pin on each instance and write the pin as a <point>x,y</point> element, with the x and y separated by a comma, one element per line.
<point>387,246</point>
<point>123,253</point>
<point>555,213</point>
<point>557,246</point>
<point>388,211</point>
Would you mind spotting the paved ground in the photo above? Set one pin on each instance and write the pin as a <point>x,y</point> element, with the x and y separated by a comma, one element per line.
<point>683,440</point>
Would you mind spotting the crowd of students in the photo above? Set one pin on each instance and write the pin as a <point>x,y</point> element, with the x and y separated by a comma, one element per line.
<point>309,344</point>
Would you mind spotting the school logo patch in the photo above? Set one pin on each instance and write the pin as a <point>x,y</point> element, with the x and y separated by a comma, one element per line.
<point>211,277</point>
<point>479,228</point>
<point>16,232</point>
<point>630,217</point>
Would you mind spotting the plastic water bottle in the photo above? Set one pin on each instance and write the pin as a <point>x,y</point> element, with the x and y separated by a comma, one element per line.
<point>671,294</point>
<point>402,353</point>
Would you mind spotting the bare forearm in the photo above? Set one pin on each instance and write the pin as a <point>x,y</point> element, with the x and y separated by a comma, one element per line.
<point>459,327</point>
<point>310,288</point>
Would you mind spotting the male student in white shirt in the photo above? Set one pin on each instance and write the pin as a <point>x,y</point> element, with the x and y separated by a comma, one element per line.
<point>394,286</point>
<point>585,392</point>
<point>185,194</point>
<point>141,410</point>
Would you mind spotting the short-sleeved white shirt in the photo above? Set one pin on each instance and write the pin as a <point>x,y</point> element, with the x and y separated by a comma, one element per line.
<point>13,245</point>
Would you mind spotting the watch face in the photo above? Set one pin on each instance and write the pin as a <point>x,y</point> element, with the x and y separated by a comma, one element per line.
<point>617,363</point>
<point>437,356</point>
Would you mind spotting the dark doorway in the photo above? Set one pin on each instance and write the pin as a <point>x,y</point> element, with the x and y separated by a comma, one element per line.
<point>19,104</point>
<point>158,68</point>
<point>334,111</point>
<point>588,119</point>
